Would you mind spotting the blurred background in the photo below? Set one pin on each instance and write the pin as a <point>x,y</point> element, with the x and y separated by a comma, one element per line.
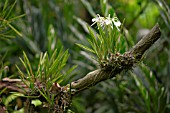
<point>48,24</point>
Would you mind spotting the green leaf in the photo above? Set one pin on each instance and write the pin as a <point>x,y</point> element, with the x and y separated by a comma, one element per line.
<point>85,47</point>
<point>28,67</point>
<point>104,8</point>
<point>148,74</point>
<point>59,62</point>
<point>12,97</point>
<point>6,36</point>
<point>70,70</point>
<point>5,5</point>
<point>43,93</point>
<point>65,58</point>
<point>14,29</point>
<point>2,91</point>
<point>143,91</point>
<point>24,64</point>
<point>58,78</point>
<point>36,102</point>
<point>20,72</point>
<point>16,17</point>
<point>83,24</point>
<point>32,45</point>
<point>10,9</point>
<point>66,75</point>
<point>53,56</point>
<point>88,7</point>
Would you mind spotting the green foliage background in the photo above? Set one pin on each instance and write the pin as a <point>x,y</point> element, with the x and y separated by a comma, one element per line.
<point>35,26</point>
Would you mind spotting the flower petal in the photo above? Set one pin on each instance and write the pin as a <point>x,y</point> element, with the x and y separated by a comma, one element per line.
<point>117,23</point>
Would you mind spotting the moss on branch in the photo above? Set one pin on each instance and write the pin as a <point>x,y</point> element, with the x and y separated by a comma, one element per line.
<point>117,62</point>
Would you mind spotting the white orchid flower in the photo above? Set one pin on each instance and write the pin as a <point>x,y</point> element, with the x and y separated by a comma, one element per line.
<point>102,21</point>
<point>116,22</point>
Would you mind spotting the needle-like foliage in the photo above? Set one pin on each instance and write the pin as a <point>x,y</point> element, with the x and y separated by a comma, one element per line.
<point>48,73</point>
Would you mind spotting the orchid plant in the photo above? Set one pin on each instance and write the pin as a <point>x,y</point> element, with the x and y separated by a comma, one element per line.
<point>106,40</point>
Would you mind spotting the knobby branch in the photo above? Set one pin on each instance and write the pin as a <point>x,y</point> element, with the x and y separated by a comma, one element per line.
<point>126,62</point>
<point>132,57</point>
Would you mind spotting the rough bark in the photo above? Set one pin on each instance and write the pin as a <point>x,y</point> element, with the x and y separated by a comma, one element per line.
<point>146,42</point>
<point>99,75</point>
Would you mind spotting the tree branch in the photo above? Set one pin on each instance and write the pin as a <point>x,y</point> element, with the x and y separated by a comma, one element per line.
<point>99,75</point>
<point>94,77</point>
<point>146,42</point>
